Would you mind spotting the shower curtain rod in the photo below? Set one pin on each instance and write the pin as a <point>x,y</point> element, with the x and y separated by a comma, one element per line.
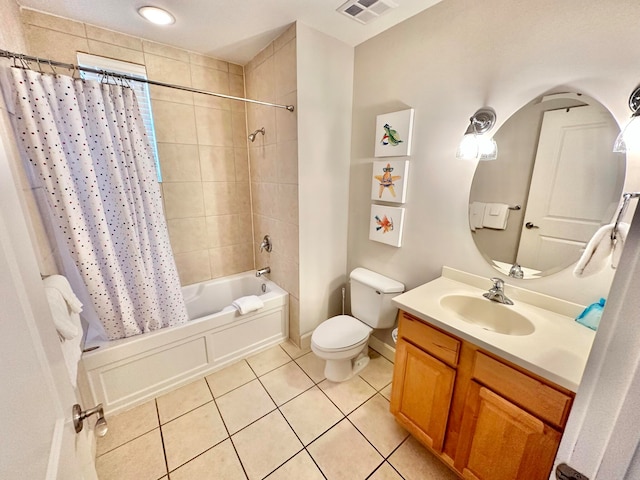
<point>25,59</point>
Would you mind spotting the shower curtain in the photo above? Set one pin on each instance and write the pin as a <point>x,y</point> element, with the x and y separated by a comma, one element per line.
<point>84,143</point>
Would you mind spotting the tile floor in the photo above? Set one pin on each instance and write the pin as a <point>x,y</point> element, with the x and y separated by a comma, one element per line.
<point>272,416</point>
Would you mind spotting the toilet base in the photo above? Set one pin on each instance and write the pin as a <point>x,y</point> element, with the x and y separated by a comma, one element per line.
<point>343,370</point>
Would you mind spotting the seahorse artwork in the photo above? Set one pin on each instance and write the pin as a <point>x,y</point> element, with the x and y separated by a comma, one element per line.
<point>387,180</point>
<point>390,136</point>
<point>385,224</point>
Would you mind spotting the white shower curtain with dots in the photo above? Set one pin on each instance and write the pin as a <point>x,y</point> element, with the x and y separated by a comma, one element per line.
<point>86,145</point>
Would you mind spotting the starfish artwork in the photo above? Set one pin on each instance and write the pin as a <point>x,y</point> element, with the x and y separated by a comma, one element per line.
<point>387,180</point>
<point>390,136</point>
<point>385,224</point>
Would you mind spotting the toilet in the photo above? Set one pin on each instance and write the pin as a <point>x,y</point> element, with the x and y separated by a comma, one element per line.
<point>342,340</point>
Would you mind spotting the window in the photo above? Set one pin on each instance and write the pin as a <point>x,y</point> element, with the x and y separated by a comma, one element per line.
<point>141,90</point>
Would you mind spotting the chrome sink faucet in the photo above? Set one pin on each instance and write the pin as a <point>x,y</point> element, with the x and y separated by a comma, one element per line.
<point>496,293</point>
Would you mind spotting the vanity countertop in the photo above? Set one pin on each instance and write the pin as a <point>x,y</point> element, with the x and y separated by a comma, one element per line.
<point>557,350</point>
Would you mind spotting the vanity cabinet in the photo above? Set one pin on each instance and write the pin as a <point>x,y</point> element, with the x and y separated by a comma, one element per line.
<point>486,418</point>
<point>423,396</point>
<point>501,441</point>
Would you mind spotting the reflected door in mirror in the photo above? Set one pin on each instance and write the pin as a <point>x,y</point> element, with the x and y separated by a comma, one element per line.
<point>572,193</point>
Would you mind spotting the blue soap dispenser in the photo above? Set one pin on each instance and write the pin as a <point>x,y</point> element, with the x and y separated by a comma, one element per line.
<point>591,315</point>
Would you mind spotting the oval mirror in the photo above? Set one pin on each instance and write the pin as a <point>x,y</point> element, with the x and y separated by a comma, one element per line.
<point>554,183</point>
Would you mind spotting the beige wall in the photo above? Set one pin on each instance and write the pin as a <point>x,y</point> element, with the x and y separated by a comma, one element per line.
<point>446,63</point>
<point>325,94</point>
<point>271,77</point>
<point>201,141</point>
<point>12,38</point>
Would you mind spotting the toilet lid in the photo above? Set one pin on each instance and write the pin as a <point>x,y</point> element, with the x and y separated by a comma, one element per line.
<point>340,332</point>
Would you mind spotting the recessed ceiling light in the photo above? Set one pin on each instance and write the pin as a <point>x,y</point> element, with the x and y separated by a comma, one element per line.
<point>157,15</point>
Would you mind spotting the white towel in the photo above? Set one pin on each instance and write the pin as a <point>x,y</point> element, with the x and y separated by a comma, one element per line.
<point>600,249</point>
<point>476,215</point>
<point>496,216</point>
<point>247,304</point>
<point>65,308</point>
<point>61,284</point>
<point>64,304</point>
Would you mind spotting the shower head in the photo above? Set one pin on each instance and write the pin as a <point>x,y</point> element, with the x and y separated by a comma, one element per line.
<point>252,136</point>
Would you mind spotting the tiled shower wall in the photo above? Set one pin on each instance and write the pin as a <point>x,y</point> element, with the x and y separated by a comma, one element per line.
<point>271,77</point>
<point>201,141</point>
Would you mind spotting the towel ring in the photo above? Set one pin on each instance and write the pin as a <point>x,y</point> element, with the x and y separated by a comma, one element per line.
<point>625,203</point>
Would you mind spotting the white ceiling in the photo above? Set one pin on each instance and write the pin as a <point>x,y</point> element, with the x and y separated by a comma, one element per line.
<point>233,30</point>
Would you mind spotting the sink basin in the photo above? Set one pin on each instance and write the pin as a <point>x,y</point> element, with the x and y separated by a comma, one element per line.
<point>488,315</point>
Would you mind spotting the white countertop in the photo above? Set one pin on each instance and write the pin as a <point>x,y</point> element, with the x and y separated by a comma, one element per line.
<point>557,350</point>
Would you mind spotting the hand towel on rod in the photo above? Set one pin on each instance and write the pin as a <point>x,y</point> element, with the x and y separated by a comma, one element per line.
<point>63,303</point>
<point>496,216</point>
<point>600,248</point>
<point>65,308</point>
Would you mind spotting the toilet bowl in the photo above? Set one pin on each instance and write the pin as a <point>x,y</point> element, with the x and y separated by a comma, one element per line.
<point>342,341</point>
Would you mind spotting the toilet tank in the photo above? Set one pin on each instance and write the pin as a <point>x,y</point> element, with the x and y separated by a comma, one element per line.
<point>371,295</point>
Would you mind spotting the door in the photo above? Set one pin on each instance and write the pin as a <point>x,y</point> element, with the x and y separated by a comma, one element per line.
<point>500,441</point>
<point>602,438</point>
<point>568,197</point>
<point>36,394</point>
<point>422,390</point>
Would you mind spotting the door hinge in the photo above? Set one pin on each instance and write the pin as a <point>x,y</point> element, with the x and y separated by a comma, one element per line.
<point>565,472</point>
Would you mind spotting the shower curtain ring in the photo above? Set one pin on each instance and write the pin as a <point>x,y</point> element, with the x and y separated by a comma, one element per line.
<point>52,68</point>
<point>24,63</point>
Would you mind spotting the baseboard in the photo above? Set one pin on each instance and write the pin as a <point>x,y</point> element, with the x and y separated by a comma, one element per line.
<point>384,349</point>
<point>305,341</point>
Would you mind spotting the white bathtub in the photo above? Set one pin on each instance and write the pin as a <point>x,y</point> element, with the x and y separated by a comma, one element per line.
<point>124,373</point>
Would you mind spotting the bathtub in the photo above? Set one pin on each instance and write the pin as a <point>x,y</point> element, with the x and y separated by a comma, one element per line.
<point>124,373</point>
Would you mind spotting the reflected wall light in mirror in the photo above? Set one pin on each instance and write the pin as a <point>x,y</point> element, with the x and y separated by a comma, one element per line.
<point>476,143</point>
<point>629,138</point>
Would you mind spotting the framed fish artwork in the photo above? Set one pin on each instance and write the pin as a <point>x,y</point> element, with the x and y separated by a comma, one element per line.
<point>386,225</point>
<point>393,134</point>
<point>389,181</point>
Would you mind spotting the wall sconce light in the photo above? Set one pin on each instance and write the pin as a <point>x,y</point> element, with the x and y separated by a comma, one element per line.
<point>475,144</point>
<point>629,138</point>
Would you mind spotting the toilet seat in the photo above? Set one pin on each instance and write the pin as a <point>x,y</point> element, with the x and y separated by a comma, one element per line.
<point>340,333</point>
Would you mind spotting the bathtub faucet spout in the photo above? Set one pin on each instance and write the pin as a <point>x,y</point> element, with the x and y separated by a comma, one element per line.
<point>263,271</point>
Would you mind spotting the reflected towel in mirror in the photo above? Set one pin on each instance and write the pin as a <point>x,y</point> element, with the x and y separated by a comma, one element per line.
<point>476,215</point>
<point>496,216</point>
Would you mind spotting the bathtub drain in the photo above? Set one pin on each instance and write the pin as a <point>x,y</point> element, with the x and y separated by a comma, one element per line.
<point>264,288</point>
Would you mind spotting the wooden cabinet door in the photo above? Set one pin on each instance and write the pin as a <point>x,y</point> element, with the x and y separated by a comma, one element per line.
<point>500,441</point>
<point>422,390</point>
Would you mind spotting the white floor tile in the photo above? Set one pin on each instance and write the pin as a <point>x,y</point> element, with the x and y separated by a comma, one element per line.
<point>244,405</point>
<point>344,454</point>
<point>265,445</point>
<point>286,382</point>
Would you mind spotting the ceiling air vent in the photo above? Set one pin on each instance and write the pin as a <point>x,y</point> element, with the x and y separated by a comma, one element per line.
<point>364,11</point>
